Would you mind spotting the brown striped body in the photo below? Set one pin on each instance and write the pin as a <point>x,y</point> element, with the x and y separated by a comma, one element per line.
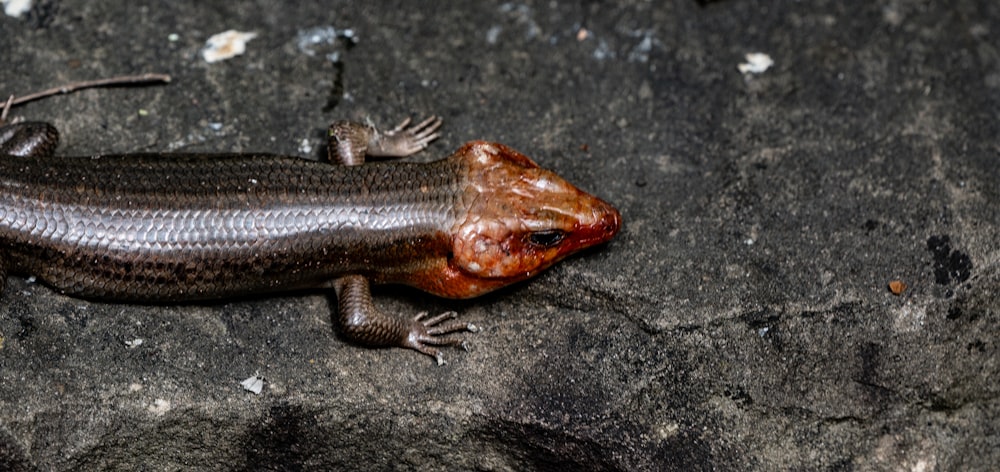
<point>183,227</point>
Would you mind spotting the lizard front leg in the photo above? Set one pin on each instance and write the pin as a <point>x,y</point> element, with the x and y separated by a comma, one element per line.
<point>349,142</point>
<point>361,321</point>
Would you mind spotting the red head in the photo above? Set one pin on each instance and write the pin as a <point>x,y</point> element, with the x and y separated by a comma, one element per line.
<point>520,220</point>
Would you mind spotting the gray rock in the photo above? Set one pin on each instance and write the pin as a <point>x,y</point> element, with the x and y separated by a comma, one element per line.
<point>741,321</point>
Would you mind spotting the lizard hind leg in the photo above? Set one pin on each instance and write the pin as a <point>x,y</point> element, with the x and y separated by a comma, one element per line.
<point>28,139</point>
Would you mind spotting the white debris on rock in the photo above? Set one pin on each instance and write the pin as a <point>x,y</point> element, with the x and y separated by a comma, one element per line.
<point>757,62</point>
<point>253,384</point>
<point>16,8</point>
<point>310,40</point>
<point>225,45</point>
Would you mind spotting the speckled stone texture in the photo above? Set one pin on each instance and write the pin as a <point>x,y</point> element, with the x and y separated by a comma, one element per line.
<point>742,320</point>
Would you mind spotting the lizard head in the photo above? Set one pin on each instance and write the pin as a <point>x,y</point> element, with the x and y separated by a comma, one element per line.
<point>521,219</point>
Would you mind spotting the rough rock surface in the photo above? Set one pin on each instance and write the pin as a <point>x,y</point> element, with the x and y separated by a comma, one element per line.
<point>741,321</point>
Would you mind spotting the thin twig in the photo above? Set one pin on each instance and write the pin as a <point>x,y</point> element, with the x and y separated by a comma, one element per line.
<point>70,87</point>
<point>121,80</point>
<point>6,108</point>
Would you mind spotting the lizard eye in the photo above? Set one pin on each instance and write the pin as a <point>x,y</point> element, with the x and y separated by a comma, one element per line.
<point>546,238</point>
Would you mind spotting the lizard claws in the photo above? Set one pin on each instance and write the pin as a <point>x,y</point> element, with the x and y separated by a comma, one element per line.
<point>426,331</point>
<point>404,139</point>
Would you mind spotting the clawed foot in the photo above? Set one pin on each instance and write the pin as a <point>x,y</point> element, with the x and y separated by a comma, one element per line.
<point>425,333</point>
<point>404,140</point>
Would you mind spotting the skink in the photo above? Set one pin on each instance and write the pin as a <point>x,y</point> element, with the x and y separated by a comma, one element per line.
<point>182,227</point>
